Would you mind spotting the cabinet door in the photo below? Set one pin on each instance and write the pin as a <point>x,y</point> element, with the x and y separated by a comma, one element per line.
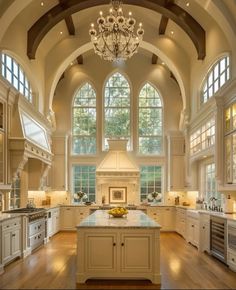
<point>204,241</point>
<point>15,242</point>
<point>49,226</point>
<point>168,219</point>
<point>68,218</point>
<point>101,252</point>
<point>177,173</point>
<point>196,233</point>
<point>136,252</point>
<point>228,161</point>
<point>6,246</point>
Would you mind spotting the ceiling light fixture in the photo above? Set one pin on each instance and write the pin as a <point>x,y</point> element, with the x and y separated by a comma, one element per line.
<point>115,38</point>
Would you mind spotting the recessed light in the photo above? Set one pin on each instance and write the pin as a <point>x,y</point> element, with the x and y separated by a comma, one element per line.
<point>163,63</point>
<point>71,63</point>
<point>61,32</point>
<point>172,32</point>
<point>187,4</point>
<point>205,156</point>
<point>42,3</point>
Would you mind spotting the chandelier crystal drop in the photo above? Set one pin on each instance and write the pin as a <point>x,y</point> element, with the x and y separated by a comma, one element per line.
<point>115,38</point>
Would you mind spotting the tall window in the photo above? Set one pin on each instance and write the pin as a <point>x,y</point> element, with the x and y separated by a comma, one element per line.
<point>150,121</point>
<point>210,184</point>
<point>215,79</point>
<point>84,121</point>
<point>117,109</point>
<point>84,179</point>
<point>150,180</point>
<point>15,75</point>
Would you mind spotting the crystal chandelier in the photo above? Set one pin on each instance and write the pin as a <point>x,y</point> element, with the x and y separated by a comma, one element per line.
<point>115,38</point>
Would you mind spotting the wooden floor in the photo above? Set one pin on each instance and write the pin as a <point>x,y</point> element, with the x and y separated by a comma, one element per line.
<point>53,267</point>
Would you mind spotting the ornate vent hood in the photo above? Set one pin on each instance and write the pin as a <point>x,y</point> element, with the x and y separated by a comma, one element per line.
<point>117,163</point>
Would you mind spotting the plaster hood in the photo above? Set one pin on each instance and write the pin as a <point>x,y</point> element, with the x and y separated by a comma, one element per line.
<point>117,163</point>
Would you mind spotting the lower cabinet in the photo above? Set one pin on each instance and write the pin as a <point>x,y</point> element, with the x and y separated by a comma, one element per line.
<point>123,253</point>
<point>204,240</point>
<point>193,230</point>
<point>11,240</point>
<point>67,218</point>
<point>180,222</point>
<point>163,215</point>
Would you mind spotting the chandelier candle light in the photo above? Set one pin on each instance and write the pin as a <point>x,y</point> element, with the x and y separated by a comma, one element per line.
<point>115,39</point>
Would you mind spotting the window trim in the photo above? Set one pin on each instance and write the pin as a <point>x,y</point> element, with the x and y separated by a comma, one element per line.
<point>72,116</point>
<point>163,133</point>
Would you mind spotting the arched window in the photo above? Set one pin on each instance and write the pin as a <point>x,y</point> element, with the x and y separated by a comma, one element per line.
<point>117,109</point>
<point>215,79</point>
<point>84,121</point>
<point>14,74</point>
<point>150,121</point>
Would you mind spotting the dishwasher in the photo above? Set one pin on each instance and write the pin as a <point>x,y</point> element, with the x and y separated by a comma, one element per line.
<point>218,238</point>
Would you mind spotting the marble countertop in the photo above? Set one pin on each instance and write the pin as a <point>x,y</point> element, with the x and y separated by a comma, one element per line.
<point>134,219</point>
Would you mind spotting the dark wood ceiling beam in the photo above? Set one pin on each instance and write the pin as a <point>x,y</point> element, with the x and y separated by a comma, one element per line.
<point>163,25</point>
<point>154,59</point>
<point>170,10</point>
<point>80,59</point>
<point>70,25</point>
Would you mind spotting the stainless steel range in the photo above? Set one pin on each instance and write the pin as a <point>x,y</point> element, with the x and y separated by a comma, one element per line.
<point>37,219</point>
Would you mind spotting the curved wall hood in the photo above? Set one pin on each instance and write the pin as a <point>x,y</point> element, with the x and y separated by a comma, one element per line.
<point>117,163</point>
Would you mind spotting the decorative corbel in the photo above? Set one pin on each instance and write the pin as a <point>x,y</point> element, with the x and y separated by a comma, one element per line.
<point>19,168</point>
<point>44,176</point>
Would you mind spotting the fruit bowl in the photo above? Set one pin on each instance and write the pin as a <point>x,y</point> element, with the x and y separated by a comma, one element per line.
<point>118,212</point>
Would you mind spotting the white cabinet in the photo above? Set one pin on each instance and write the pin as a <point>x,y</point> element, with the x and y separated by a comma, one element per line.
<point>176,163</point>
<point>11,240</point>
<point>67,218</point>
<point>53,222</point>
<point>163,215</point>
<point>180,225</point>
<point>70,216</point>
<point>193,228</point>
<point>59,169</point>
<point>204,241</point>
<point>116,253</point>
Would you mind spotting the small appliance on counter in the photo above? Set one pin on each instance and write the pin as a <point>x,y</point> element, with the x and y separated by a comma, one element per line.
<point>228,205</point>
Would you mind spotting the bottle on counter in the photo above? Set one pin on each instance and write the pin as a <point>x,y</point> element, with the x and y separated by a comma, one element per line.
<point>229,205</point>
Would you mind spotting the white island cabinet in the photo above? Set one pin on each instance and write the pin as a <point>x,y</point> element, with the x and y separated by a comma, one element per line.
<point>118,248</point>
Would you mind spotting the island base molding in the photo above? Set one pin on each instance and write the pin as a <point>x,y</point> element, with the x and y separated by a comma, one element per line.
<point>155,279</point>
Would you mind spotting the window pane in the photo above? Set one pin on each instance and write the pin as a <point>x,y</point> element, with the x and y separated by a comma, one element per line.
<point>150,121</point>
<point>82,173</point>
<point>117,109</point>
<point>84,121</point>
<point>150,180</point>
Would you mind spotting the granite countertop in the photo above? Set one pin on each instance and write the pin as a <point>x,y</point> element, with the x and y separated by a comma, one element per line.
<point>229,216</point>
<point>134,219</point>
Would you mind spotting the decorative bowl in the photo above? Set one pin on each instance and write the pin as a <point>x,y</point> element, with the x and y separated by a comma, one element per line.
<point>118,212</point>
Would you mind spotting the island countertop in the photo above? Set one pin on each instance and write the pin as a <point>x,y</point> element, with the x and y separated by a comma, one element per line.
<point>134,219</point>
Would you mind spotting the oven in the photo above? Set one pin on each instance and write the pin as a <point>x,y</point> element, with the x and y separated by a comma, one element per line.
<point>36,229</point>
<point>218,238</point>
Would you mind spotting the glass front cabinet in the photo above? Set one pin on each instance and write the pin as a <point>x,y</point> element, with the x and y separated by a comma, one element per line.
<point>230,144</point>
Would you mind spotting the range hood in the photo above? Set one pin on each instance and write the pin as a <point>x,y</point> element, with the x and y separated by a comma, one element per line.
<point>117,162</point>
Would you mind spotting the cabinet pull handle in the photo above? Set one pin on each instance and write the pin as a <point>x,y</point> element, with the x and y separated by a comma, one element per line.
<point>68,209</point>
<point>13,235</point>
<point>114,244</point>
<point>122,244</point>
<point>154,214</point>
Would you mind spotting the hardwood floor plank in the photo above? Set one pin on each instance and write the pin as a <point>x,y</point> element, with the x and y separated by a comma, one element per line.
<point>53,266</point>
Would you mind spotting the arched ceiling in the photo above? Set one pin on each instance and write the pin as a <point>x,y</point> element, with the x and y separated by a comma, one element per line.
<point>66,8</point>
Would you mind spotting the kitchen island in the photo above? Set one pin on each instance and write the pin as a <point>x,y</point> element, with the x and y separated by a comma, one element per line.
<point>118,248</point>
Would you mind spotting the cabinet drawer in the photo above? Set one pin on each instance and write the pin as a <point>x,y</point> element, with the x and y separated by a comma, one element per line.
<point>11,223</point>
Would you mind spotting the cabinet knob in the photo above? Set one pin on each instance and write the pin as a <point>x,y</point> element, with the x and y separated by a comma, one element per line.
<point>114,244</point>
<point>203,228</point>
<point>233,259</point>
<point>122,244</point>
<point>192,226</point>
<point>13,235</point>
